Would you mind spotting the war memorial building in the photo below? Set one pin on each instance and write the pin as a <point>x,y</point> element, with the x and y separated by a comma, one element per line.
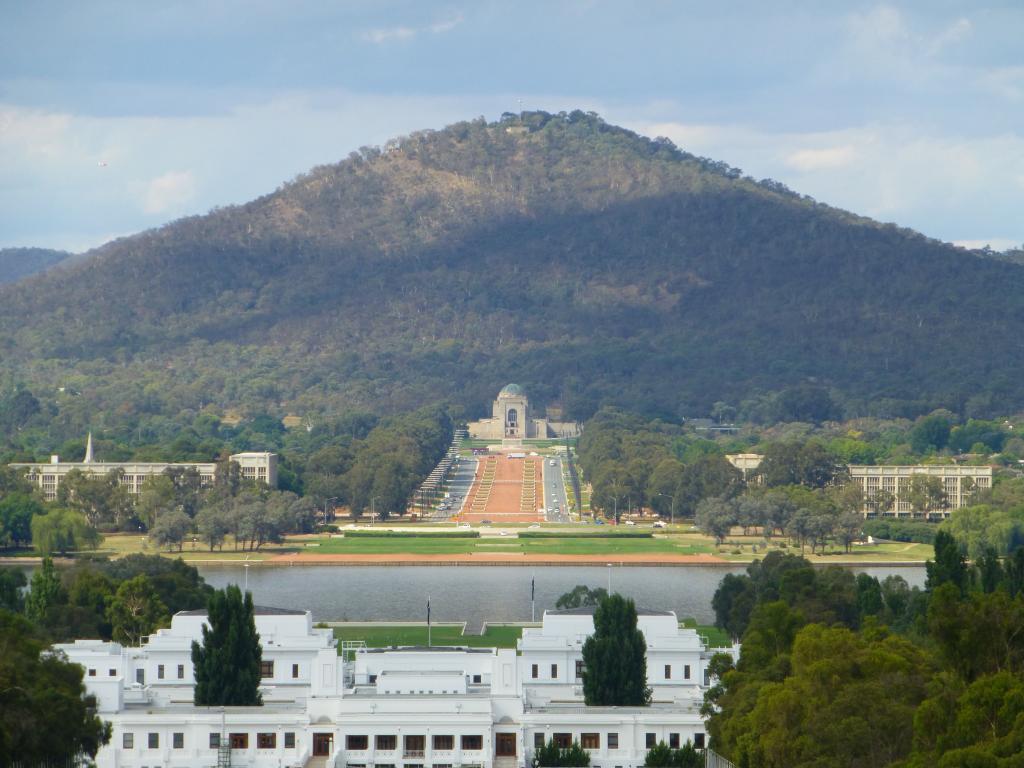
<point>512,418</point>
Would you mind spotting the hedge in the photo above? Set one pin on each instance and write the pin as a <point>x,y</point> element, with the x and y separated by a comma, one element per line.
<point>412,534</point>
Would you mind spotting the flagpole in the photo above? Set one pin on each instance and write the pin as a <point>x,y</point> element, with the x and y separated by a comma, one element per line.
<point>533,594</point>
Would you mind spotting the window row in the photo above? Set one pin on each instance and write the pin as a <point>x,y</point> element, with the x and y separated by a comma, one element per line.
<point>587,740</point>
<point>267,670</point>
<point>236,740</point>
<point>412,743</point>
<point>686,672</point>
<point>651,740</point>
<point>535,671</point>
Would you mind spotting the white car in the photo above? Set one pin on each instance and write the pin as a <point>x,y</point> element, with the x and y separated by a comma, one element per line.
<point>552,463</point>
<point>629,522</point>
<point>659,523</point>
<point>534,526</point>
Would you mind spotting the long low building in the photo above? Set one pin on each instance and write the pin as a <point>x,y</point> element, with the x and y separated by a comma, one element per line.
<point>400,707</point>
<point>256,466</point>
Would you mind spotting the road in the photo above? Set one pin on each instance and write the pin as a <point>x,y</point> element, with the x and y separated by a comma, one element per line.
<point>554,491</point>
<point>458,486</point>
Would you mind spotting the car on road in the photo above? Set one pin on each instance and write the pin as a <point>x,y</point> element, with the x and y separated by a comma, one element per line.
<point>486,522</point>
<point>659,524</point>
<point>464,525</point>
<point>629,522</point>
<point>552,463</point>
<point>534,526</point>
<point>599,522</point>
<point>503,533</point>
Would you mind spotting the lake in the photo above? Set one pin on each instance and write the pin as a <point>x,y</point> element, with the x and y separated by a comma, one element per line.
<point>478,594</point>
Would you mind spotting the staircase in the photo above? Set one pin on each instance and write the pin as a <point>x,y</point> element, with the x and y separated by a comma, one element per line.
<point>483,492</point>
<point>528,499</point>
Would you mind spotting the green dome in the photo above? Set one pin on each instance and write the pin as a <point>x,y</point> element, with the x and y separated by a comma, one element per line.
<point>512,390</point>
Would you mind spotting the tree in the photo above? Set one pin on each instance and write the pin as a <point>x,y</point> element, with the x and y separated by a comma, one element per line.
<point>949,565</point>
<point>62,530</point>
<point>45,592</point>
<point>156,499</point>
<point>808,463</point>
<point>930,433</point>
<point>171,528</point>
<point>227,664</point>
<point>925,493</point>
<point>16,511</point>
<point>663,756</point>
<point>12,581</point>
<point>614,657</point>
<point>580,596</point>
<point>45,716</point>
<point>552,756</point>
<point>213,524</point>
<point>716,517</point>
<point>136,611</point>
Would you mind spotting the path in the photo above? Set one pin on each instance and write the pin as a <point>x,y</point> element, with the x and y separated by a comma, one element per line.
<point>505,490</point>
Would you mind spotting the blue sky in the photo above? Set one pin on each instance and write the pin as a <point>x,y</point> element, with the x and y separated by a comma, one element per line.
<point>119,116</point>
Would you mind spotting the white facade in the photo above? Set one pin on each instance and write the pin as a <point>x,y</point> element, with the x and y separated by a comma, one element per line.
<point>390,707</point>
<point>958,481</point>
<point>256,466</point>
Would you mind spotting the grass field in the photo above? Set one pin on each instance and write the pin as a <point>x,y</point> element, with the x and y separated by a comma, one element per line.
<point>716,638</point>
<point>678,541</point>
<point>382,636</point>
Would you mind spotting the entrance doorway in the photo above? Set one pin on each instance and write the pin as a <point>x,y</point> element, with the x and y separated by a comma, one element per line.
<point>322,743</point>
<point>504,745</point>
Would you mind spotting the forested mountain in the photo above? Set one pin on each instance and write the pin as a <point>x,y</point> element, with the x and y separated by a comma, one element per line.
<point>16,263</point>
<point>593,265</point>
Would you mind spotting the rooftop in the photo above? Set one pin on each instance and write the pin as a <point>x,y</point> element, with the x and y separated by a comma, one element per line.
<point>259,610</point>
<point>588,610</point>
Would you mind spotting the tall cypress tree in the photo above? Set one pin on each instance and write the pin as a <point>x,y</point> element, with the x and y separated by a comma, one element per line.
<point>614,657</point>
<point>227,665</point>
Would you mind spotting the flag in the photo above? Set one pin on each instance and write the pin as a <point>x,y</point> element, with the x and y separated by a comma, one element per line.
<point>428,610</point>
<point>533,588</point>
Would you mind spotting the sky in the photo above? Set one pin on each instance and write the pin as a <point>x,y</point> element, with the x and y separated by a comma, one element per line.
<point>120,116</point>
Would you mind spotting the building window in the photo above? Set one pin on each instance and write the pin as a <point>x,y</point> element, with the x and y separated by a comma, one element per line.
<point>373,679</point>
<point>289,740</point>
<point>668,671</point>
<point>140,676</point>
<point>698,740</point>
<point>649,740</point>
<point>590,740</point>
<point>473,742</point>
<point>127,741</point>
<point>414,746</point>
<point>477,678</point>
<point>266,669</point>
<point>538,741</point>
<point>154,741</point>
<point>112,672</point>
<point>181,671</point>
<point>178,740</point>
<point>357,743</point>
<point>686,672</point>
<point>673,740</point>
<point>579,670</point>
<point>214,741</point>
<point>266,741</point>
<point>160,671</point>
<point>444,742</point>
<point>239,740</point>
<point>92,673</point>
<point>295,671</point>
<point>613,741</point>
<point>385,743</point>
<point>534,672</point>
<point>563,740</point>
<point>554,671</point>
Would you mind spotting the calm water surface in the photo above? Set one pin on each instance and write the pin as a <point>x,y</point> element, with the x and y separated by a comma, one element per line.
<point>477,594</point>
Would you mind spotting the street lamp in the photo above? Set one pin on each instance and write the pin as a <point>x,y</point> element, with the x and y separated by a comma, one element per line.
<point>373,508</point>
<point>673,507</point>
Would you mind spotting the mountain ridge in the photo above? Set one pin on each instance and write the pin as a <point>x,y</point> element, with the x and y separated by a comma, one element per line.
<point>594,263</point>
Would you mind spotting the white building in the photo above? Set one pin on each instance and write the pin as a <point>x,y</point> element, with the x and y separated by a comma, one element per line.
<point>405,707</point>
<point>959,482</point>
<point>257,466</point>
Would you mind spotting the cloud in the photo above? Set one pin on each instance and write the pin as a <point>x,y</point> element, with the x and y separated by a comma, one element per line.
<point>169,192</point>
<point>818,159</point>
<point>952,34</point>
<point>389,34</point>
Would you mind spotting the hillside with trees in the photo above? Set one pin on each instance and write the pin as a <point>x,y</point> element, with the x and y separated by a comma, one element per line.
<point>598,266</point>
<point>17,263</point>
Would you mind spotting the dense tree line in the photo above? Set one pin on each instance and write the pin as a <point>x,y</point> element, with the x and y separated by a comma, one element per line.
<point>844,670</point>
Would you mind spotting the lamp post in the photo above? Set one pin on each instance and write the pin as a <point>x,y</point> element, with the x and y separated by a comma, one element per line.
<point>373,508</point>
<point>673,507</point>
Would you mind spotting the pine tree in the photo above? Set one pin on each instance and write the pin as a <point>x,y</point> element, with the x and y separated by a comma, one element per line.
<point>227,665</point>
<point>614,657</point>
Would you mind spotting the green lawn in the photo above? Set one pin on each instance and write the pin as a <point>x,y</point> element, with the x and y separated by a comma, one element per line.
<point>582,545</point>
<point>716,637</point>
<point>380,636</point>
